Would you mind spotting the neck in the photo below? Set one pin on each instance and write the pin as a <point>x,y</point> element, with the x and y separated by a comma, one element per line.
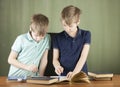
<point>73,33</point>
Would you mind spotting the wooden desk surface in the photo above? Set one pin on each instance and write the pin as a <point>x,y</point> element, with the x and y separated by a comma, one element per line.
<point>114,83</point>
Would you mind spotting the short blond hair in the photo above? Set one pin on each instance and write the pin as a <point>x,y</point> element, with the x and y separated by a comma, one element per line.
<point>39,24</point>
<point>70,14</point>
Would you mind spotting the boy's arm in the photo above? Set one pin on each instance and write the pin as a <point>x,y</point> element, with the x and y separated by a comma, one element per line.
<point>43,63</point>
<point>81,60</point>
<point>56,63</point>
<point>12,59</point>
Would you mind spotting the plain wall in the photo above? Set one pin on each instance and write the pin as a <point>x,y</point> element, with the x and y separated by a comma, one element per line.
<point>101,17</point>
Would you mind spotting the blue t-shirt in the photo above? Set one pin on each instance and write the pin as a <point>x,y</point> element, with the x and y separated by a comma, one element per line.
<point>70,48</point>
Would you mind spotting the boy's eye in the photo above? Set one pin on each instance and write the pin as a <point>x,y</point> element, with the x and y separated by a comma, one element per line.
<point>64,25</point>
<point>70,25</point>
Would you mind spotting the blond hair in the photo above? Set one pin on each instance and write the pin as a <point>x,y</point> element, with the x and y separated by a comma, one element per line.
<point>39,24</point>
<point>70,14</point>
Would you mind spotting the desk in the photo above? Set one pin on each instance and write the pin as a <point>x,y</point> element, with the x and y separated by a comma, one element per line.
<point>114,83</point>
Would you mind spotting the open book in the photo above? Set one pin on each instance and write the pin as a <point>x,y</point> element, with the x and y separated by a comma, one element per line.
<point>79,77</point>
<point>101,76</point>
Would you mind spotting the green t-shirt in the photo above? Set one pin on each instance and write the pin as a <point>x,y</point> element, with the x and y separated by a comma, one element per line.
<point>29,52</point>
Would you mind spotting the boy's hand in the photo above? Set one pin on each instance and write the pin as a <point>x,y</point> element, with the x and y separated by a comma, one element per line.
<point>32,68</point>
<point>59,69</point>
<point>70,75</point>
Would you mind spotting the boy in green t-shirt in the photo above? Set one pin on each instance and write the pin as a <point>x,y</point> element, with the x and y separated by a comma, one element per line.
<point>28,55</point>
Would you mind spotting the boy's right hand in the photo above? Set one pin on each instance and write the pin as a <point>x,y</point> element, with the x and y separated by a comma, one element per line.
<point>59,70</point>
<point>32,68</point>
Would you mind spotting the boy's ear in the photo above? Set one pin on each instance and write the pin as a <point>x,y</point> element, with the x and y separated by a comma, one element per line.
<point>30,28</point>
<point>78,22</point>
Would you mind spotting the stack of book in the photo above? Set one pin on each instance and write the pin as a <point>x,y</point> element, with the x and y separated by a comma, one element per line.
<point>100,76</point>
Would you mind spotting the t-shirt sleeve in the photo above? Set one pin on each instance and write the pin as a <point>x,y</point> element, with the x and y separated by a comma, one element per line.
<point>88,37</point>
<point>17,45</point>
<point>48,41</point>
<point>55,42</point>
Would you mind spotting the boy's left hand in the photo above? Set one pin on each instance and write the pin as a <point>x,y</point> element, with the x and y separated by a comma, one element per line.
<point>70,75</point>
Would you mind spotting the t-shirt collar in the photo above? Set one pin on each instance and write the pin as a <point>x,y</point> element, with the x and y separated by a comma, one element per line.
<point>78,33</point>
<point>29,36</point>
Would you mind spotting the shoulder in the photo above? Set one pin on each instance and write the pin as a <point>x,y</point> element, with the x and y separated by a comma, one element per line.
<point>60,34</point>
<point>47,36</point>
<point>85,32</point>
<point>86,35</point>
<point>21,36</point>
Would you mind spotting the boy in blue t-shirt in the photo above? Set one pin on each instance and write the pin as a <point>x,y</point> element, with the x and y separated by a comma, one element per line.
<point>71,47</point>
<point>28,56</point>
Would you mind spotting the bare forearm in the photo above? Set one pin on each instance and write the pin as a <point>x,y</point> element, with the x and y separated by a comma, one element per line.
<point>43,63</point>
<point>17,64</point>
<point>56,62</point>
<point>58,68</point>
<point>82,59</point>
<point>42,68</point>
<point>56,57</point>
<point>79,66</point>
<point>12,59</point>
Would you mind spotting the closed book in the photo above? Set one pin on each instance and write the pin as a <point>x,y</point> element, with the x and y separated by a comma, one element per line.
<point>41,80</point>
<point>100,76</point>
<point>16,78</point>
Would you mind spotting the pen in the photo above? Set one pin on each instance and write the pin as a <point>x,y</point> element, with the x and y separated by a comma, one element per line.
<point>59,77</point>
